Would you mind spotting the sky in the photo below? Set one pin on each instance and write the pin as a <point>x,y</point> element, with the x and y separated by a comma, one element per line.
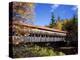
<point>43,12</point>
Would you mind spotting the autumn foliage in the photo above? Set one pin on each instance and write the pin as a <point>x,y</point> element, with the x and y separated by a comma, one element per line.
<point>22,13</point>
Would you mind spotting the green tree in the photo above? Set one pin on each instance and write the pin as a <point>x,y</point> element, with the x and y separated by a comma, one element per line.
<point>52,23</point>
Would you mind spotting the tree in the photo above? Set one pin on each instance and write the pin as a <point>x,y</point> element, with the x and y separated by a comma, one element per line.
<point>71,26</point>
<point>23,11</point>
<point>52,21</point>
<point>58,24</point>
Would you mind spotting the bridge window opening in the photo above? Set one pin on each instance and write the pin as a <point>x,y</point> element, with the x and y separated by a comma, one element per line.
<point>42,35</point>
<point>38,35</point>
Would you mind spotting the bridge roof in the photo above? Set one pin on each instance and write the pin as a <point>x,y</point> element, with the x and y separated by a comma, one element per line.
<point>39,27</point>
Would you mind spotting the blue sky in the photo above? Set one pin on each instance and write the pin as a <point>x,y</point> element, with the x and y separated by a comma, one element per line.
<point>43,12</point>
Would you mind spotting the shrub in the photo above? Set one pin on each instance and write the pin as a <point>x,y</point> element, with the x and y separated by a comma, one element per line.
<point>34,51</point>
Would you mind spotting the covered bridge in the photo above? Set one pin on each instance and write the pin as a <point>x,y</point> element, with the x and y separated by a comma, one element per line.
<point>41,34</point>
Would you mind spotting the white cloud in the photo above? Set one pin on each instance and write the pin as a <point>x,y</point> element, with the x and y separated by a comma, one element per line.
<point>53,7</point>
<point>74,8</point>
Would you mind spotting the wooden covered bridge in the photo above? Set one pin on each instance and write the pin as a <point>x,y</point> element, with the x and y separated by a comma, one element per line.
<point>41,34</point>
